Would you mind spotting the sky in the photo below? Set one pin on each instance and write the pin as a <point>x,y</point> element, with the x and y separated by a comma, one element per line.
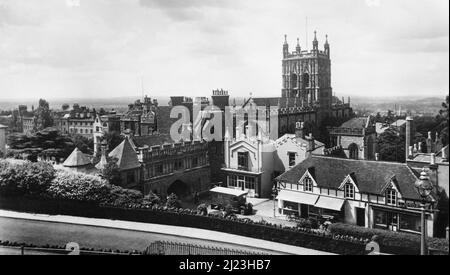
<point>113,48</point>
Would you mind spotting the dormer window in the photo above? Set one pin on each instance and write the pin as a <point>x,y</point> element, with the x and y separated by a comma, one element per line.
<point>307,185</point>
<point>349,191</point>
<point>243,160</point>
<point>391,197</point>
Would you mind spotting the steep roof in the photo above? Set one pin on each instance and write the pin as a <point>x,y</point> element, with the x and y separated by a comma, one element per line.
<point>370,176</point>
<point>125,155</point>
<point>77,159</point>
<point>3,126</point>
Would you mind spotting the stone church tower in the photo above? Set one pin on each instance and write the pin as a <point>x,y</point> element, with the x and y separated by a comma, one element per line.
<point>307,75</point>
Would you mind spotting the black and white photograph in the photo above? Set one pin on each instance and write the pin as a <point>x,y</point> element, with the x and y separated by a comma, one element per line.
<point>234,130</point>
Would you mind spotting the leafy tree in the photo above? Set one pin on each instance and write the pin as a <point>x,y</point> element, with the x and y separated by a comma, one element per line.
<point>48,142</point>
<point>111,172</point>
<point>202,209</point>
<point>65,107</point>
<point>113,139</point>
<point>86,145</point>
<point>43,116</point>
<point>443,118</point>
<point>391,145</point>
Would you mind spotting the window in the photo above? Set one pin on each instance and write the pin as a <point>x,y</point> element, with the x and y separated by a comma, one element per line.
<point>159,169</point>
<point>195,161</point>
<point>307,185</point>
<point>380,218</point>
<point>410,222</point>
<point>130,177</point>
<point>178,164</point>
<point>233,181</point>
<point>391,197</point>
<point>291,159</point>
<point>305,80</point>
<point>243,160</point>
<point>250,183</point>
<point>349,191</point>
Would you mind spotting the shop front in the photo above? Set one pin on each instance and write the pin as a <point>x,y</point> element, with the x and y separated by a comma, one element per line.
<point>395,220</point>
<point>307,205</point>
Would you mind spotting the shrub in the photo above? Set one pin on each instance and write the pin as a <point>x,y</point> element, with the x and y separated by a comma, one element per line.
<point>122,197</point>
<point>389,241</point>
<point>202,209</point>
<point>78,186</point>
<point>25,178</point>
<point>152,199</point>
<point>172,201</point>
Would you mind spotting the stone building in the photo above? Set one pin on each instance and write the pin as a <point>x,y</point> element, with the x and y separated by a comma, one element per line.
<point>252,163</point>
<point>306,93</point>
<point>79,121</point>
<point>357,137</point>
<point>141,117</point>
<point>104,124</point>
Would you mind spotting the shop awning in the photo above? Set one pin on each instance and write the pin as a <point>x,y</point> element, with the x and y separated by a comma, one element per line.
<point>298,197</point>
<point>330,203</point>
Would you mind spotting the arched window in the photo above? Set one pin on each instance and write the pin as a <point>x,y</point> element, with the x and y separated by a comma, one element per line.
<point>305,80</point>
<point>294,81</point>
<point>353,151</point>
<point>391,197</point>
<point>349,191</point>
<point>307,185</point>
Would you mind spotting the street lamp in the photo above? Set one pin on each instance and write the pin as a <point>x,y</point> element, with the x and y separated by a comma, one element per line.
<point>424,187</point>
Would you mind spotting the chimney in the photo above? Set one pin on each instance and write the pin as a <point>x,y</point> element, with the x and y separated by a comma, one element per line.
<point>415,148</point>
<point>300,129</point>
<point>410,152</point>
<point>311,144</point>
<point>432,159</point>
<point>429,143</point>
<point>377,156</point>
<point>420,147</point>
<point>444,155</point>
<point>409,121</point>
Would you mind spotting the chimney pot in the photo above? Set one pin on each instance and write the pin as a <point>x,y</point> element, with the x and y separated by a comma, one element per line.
<point>410,151</point>
<point>444,155</point>
<point>432,159</point>
<point>377,156</point>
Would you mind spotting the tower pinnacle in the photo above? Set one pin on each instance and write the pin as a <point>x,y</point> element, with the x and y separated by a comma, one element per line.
<point>315,42</point>
<point>298,49</point>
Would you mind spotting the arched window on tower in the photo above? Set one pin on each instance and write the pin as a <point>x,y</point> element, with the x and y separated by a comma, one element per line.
<point>294,81</point>
<point>305,80</point>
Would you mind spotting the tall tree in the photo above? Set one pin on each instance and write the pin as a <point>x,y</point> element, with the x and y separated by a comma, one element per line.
<point>113,139</point>
<point>391,146</point>
<point>43,116</point>
<point>443,117</point>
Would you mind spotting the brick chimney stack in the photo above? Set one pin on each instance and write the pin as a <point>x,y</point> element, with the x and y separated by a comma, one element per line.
<point>300,129</point>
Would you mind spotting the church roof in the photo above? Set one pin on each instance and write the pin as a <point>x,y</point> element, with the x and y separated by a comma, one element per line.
<point>77,159</point>
<point>125,155</point>
<point>356,123</point>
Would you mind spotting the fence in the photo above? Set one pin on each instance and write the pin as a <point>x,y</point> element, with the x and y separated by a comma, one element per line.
<point>175,248</point>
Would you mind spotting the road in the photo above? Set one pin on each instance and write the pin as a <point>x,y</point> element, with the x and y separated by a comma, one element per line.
<point>44,232</point>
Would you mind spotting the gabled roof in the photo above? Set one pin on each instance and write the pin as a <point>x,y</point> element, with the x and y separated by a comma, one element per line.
<point>102,163</point>
<point>370,176</point>
<point>77,159</point>
<point>125,155</point>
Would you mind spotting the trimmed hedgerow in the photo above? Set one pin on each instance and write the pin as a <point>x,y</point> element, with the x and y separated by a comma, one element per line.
<point>390,242</point>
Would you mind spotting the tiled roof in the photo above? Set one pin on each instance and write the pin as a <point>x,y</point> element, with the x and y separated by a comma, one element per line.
<point>77,159</point>
<point>125,155</point>
<point>370,176</point>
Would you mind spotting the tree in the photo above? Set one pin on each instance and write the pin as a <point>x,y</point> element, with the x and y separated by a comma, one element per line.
<point>443,118</point>
<point>113,139</point>
<point>391,146</point>
<point>111,172</point>
<point>65,107</point>
<point>86,145</point>
<point>43,116</point>
<point>48,142</point>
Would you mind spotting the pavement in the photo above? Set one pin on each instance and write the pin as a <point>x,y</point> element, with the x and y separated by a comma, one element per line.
<point>187,232</point>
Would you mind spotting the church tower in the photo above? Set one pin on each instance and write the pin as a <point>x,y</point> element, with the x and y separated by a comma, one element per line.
<point>306,75</point>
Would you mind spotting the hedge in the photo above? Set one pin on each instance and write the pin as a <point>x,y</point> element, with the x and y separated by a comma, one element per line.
<point>390,242</point>
<point>190,218</point>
